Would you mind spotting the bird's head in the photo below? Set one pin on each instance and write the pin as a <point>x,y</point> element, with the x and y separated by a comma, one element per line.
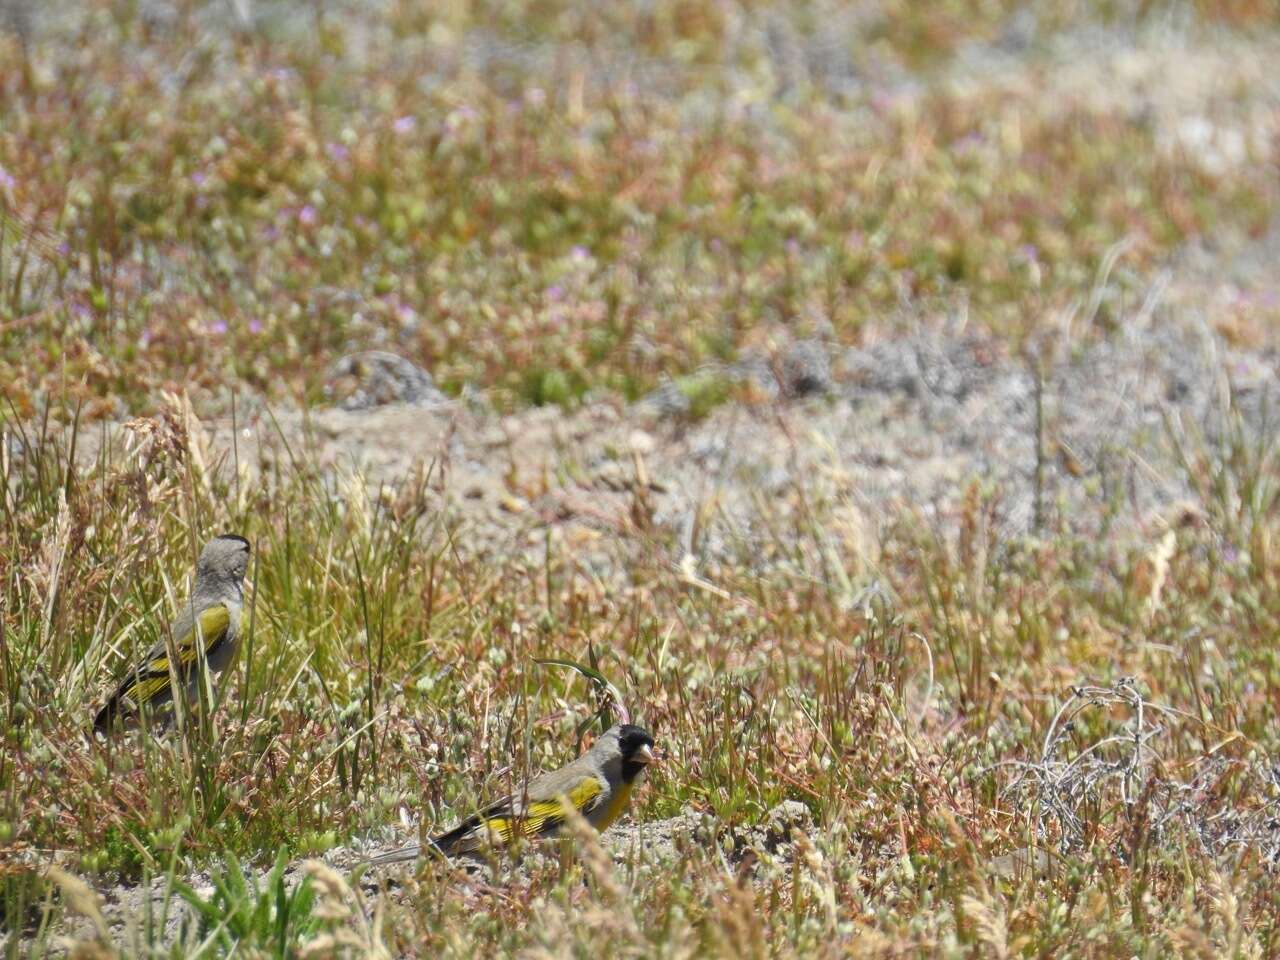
<point>636,746</point>
<point>224,559</point>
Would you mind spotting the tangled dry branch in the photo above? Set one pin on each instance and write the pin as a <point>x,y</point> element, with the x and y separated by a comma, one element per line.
<point>1227,804</point>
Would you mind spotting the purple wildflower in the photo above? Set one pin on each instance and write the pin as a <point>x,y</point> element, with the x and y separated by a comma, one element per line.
<point>404,125</point>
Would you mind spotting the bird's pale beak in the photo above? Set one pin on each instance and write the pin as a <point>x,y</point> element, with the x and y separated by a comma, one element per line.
<point>643,755</point>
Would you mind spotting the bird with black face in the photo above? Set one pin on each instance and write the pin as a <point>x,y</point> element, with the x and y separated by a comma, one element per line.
<point>598,784</point>
<point>206,632</point>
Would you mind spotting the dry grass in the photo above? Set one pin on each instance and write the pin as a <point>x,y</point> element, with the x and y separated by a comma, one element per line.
<point>1040,745</point>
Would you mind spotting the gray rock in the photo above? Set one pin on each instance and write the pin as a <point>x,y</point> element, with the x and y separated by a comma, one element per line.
<point>805,369</point>
<point>375,378</point>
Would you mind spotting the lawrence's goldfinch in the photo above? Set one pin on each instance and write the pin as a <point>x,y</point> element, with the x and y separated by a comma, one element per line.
<point>208,622</point>
<point>598,784</point>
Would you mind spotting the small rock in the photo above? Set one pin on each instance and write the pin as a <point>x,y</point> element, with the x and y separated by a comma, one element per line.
<point>512,504</point>
<point>805,369</point>
<point>375,378</point>
<point>781,822</point>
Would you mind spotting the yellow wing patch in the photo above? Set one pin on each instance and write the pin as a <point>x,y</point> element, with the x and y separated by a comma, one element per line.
<point>143,690</point>
<point>153,677</point>
<point>213,623</point>
<point>544,816</point>
<point>585,792</point>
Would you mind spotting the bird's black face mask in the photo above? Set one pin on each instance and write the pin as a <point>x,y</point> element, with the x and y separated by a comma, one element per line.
<point>637,750</point>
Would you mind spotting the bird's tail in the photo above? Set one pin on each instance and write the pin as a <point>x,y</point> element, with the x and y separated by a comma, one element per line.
<point>118,713</point>
<point>106,718</point>
<point>396,856</point>
<point>459,840</point>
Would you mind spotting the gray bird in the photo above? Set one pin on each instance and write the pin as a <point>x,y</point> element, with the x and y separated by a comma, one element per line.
<point>597,784</point>
<point>210,620</point>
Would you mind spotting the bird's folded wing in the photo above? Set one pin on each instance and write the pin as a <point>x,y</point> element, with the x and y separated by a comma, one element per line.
<point>153,676</point>
<point>542,817</point>
<point>502,822</point>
